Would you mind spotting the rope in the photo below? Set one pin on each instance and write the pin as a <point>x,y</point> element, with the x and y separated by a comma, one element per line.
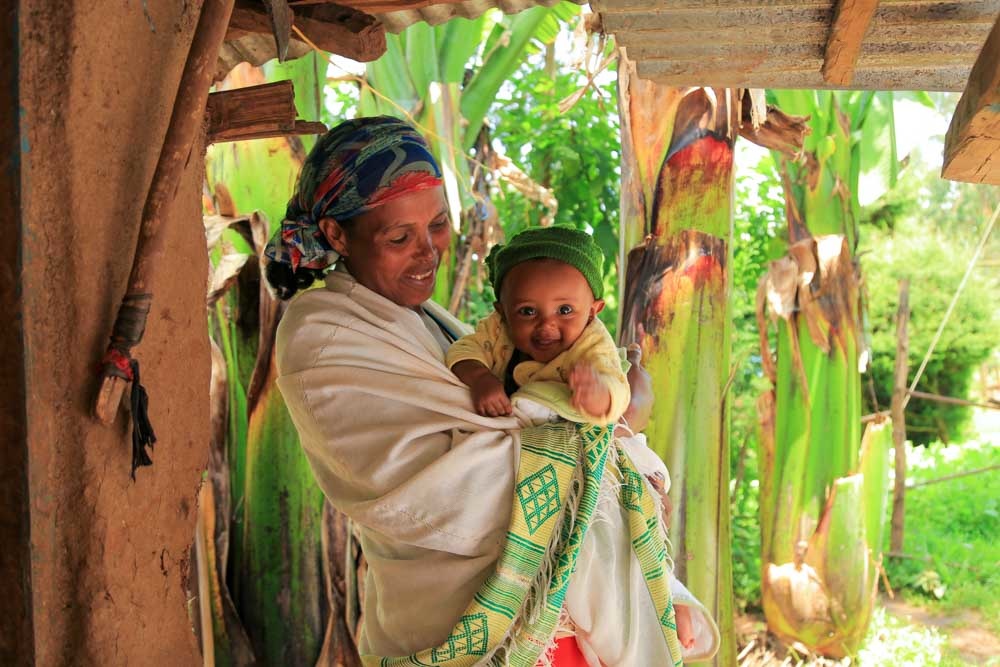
<point>951,306</point>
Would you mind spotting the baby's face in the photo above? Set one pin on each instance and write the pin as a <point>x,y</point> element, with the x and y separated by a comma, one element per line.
<point>546,305</point>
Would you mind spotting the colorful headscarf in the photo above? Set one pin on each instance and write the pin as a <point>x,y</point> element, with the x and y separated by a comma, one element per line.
<point>355,167</point>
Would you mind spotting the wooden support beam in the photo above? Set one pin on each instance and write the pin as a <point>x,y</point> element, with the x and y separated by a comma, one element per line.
<point>256,112</point>
<point>850,23</point>
<point>334,28</point>
<point>972,145</point>
<point>17,630</point>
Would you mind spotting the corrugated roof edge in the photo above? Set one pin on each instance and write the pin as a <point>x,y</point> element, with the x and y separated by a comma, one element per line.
<point>396,22</point>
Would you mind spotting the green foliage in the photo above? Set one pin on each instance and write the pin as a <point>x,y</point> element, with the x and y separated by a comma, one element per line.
<point>574,154</point>
<point>934,262</point>
<point>758,224</point>
<point>952,530</point>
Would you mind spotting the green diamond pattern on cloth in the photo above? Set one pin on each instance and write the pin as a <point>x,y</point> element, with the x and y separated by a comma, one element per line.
<point>539,497</point>
<point>632,489</point>
<point>470,637</point>
<point>668,617</point>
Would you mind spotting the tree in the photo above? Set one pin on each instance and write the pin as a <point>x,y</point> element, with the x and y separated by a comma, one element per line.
<point>823,487</point>
<point>263,552</point>
<point>676,235</point>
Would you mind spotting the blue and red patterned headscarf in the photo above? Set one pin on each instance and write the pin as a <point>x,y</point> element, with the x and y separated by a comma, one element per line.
<point>355,167</point>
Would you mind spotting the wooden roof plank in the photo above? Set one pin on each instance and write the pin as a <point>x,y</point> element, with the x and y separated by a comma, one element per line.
<point>333,28</point>
<point>972,144</point>
<point>881,78</point>
<point>851,21</point>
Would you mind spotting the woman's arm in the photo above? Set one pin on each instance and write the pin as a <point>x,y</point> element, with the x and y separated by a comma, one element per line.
<point>638,410</point>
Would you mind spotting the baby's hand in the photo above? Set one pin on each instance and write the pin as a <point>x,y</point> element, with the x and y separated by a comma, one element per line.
<point>489,398</point>
<point>590,394</point>
<point>685,630</point>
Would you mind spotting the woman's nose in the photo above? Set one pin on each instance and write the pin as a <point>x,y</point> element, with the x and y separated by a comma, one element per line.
<point>425,247</point>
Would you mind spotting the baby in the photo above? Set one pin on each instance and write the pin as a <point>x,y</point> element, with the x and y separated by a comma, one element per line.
<point>548,283</point>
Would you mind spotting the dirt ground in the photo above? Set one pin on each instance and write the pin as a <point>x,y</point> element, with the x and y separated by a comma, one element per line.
<point>966,632</point>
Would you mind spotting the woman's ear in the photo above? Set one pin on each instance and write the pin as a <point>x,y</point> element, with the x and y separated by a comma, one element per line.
<point>335,235</point>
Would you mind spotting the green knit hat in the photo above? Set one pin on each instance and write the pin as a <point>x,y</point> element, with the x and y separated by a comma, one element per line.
<point>565,244</point>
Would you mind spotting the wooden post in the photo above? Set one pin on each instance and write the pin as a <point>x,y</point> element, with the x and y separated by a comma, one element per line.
<point>898,414</point>
<point>185,121</point>
<point>17,630</point>
<point>972,145</point>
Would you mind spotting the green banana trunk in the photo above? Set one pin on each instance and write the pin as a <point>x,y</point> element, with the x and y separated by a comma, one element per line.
<point>276,560</point>
<point>823,486</point>
<point>676,230</point>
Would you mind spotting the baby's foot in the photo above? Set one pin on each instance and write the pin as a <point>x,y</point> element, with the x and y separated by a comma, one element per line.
<point>685,630</point>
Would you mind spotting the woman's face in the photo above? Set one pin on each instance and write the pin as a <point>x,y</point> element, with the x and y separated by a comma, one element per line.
<point>395,249</point>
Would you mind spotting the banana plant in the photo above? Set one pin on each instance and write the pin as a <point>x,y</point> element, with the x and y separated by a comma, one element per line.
<point>262,539</point>
<point>444,79</point>
<point>676,243</point>
<point>823,484</point>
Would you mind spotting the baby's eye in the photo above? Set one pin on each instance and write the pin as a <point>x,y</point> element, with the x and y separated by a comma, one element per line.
<point>565,309</point>
<point>526,311</point>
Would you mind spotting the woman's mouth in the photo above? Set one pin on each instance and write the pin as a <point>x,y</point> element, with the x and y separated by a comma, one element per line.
<point>420,277</point>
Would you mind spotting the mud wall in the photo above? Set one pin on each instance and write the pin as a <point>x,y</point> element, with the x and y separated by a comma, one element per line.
<point>109,556</point>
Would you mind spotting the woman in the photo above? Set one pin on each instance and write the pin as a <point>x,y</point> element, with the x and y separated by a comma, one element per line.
<point>395,443</point>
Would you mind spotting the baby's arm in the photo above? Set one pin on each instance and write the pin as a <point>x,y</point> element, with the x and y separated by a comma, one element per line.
<point>685,629</point>
<point>591,394</point>
<point>488,395</point>
<point>471,357</point>
<point>600,387</point>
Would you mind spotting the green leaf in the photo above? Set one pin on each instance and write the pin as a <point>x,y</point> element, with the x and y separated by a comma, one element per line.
<point>390,76</point>
<point>422,56</point>
<point>500,64</point>
<point>458,39</point>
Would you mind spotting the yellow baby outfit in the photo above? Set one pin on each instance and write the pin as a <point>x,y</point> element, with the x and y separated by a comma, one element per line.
<point>491,346</point>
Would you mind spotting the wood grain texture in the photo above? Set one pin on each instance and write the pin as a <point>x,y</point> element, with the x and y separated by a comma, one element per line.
<point>910,44</point>
<point>17,632</point>
<point>850,23</point>
<point>972,145</point>
<point>335,28</point>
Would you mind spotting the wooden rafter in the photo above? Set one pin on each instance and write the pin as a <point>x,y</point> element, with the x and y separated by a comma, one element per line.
<point>334,28</point>
<point>256,112</point>
<point>972,145</point>
<point>850,23</point>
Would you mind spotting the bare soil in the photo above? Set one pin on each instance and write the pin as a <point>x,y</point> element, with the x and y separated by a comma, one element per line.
<point>966,630</point>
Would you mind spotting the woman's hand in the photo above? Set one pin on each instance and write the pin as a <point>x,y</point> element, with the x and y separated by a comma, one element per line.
<point>639,408</point>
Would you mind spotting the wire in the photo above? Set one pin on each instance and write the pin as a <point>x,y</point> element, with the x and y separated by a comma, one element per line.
<point>951,306</point>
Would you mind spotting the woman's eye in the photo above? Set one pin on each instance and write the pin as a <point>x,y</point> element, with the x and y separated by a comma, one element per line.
<point>438,225</point>
<point>526,311</point>
<point>565,309</point>
<point>399,240</point>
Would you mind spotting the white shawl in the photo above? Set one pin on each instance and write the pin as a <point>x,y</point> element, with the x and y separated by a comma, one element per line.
<point>395,444</point>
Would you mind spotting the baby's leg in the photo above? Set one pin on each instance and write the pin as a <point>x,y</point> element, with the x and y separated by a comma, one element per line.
<point>685,630</point>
